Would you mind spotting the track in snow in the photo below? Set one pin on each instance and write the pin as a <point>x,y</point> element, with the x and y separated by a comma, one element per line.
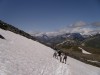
<point>61,70</point>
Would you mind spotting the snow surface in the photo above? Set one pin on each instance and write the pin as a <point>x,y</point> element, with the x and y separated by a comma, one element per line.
<point>22,56</point>
<point>84,51</point>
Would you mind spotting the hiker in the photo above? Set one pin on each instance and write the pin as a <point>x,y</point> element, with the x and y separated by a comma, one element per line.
<point>61,57</point>
<point>59,53</point>
<point>65,58</point>
<point>55,55</point>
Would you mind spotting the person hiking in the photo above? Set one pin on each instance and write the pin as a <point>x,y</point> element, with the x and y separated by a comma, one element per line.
<point>65,58</point>
<point>60,55</point>
<point>55,55</point>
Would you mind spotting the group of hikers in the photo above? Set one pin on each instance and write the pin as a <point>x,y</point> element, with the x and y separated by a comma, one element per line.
<point>60,56</point>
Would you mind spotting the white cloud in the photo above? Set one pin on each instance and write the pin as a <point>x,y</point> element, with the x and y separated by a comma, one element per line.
<point>96,24</point>
<point>79,24</point>
<point>83,28</point>
<point>78,27</point>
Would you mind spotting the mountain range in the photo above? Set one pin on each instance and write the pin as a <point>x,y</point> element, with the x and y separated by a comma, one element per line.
<point>53,39</point>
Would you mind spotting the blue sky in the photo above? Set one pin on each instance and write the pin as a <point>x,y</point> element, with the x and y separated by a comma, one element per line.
<point>48,15</point>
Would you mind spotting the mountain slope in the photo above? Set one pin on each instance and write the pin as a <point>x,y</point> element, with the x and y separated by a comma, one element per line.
<point>94,41</point>
<point>53,39</point>
<point>11,28</point>
<point>22,56</point>
<point>92,44</point>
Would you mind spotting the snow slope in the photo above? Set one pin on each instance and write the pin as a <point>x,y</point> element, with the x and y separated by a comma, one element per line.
<point>84,51</point>
<point>22,56</point>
